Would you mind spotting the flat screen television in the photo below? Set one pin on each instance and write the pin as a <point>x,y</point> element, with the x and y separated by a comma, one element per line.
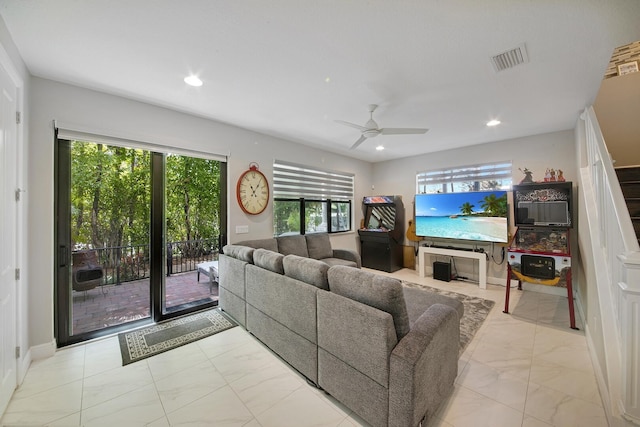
<point>477,216</point>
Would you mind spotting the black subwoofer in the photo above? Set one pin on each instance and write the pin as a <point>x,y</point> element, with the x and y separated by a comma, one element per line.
<point>442,271</point>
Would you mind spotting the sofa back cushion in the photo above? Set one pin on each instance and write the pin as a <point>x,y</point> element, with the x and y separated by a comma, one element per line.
<point>269,244</point>
<point>268,260</point>
<point>293,245</point>
<point>307,270</point>
<point>319,245</point>
<point>243,253</point>
<point>382,292</point>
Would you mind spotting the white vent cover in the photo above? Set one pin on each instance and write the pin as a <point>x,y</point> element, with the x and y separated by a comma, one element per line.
<point>510,58</point>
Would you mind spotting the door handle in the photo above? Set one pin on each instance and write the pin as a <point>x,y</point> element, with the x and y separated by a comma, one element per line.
<point>63,256</point>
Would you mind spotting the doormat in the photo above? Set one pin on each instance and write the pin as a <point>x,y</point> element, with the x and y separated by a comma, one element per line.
<point>476,310</point>
<point>146,342</point>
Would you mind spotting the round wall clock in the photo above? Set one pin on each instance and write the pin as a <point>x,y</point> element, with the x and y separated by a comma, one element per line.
<point>252,191</point>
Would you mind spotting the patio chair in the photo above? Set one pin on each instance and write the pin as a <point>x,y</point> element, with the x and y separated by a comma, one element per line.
<point>209,269</point>
<point>86,272</point>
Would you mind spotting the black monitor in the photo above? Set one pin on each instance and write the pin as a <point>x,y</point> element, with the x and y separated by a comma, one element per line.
<point>545,204</point>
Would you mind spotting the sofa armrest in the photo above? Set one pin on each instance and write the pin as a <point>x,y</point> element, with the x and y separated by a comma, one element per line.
<point>423,366</point>
<point>349,255</point>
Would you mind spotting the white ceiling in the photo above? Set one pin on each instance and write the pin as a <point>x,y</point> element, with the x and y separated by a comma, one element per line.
<point>289,68</point>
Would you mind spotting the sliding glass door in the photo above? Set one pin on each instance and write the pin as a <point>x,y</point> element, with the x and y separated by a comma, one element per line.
<point>192,212</point>
<point>132,228</point>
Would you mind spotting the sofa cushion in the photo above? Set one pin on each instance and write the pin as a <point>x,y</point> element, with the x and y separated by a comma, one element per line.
<point>243,253</point>
<point>307,270</point>
<point>339,261</point>
<point>319,245</point>
<point>293,245</point>
<point>382,292</point>
<point>269,244</point>
<point>269,260</point>
<point>419,299</point>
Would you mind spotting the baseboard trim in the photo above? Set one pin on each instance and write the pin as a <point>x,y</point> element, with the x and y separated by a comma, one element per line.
<point>602,384</point>
<point>43,351</point>
<point>23,366</point>
<point>37,352</point>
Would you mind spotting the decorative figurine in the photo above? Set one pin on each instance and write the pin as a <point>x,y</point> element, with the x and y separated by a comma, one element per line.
<point>528,176</point>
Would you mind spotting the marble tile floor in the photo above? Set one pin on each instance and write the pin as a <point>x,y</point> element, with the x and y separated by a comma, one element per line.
<point>526,369</point>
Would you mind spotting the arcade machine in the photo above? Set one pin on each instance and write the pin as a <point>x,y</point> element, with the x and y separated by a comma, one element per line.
<point>381,233</point>
<point>540,249</point>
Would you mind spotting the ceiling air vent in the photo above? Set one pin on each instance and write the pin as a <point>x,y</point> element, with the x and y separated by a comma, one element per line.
<point>510,58</point>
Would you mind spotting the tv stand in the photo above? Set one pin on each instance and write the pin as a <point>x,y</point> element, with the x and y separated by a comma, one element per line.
<point>426,251</point>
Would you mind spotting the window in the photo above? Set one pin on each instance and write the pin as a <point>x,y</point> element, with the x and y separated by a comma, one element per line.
<point>308,200</point>
<point>488,176</point>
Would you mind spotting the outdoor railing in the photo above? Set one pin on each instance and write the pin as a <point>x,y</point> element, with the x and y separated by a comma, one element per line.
<point>122,264</point>
<point>185,256</point>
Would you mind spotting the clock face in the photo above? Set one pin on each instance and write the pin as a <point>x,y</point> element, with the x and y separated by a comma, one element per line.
<point>253,192</point>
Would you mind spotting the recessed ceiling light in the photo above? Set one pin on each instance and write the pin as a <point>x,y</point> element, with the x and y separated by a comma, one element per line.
<point>493,122</point>
<point>379,148</point>
<point>193,81</point>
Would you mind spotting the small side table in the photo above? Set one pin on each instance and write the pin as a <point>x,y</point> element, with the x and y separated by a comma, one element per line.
<point>209,269</point>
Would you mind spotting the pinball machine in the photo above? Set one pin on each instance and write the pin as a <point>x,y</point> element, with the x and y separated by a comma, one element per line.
<point>381,233</point>
<point>540,250</point>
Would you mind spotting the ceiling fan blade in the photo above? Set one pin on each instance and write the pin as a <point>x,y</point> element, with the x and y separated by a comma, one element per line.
<point>353,125</point>
<point>403,131</point>
<point>358,142</point>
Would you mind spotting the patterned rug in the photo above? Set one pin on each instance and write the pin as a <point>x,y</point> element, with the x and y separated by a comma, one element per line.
<point>476,310</point>
<point>146,342</point>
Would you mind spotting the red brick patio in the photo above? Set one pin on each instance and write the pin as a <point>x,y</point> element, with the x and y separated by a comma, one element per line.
<point>115,304</point>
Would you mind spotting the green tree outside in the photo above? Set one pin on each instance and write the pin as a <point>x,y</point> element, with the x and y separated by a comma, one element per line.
<point>110,197</point>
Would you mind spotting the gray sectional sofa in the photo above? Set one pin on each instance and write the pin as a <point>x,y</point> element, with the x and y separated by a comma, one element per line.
<point>386,351</point>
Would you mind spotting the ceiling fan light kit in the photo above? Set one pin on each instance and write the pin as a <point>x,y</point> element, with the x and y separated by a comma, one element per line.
<point>371,129</point>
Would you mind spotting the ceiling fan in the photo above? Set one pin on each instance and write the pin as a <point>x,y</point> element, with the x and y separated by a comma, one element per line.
<point>371,129</point>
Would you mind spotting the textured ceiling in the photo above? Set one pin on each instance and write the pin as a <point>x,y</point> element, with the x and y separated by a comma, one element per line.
<point>290,68</point>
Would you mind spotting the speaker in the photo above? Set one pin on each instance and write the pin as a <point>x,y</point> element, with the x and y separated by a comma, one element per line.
<point>442,271</point>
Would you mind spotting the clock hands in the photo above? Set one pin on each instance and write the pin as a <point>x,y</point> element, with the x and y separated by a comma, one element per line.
<point>253,190</point>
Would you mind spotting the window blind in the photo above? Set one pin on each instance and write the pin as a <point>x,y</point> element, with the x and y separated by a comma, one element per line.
<point>292,181</point>
<point>497,171</point>
<point>78,133</point>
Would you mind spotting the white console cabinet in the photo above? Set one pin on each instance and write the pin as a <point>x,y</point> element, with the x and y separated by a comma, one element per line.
<point>426,251</point>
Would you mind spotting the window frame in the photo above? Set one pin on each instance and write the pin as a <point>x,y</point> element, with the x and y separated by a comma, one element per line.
<point>306,184</point>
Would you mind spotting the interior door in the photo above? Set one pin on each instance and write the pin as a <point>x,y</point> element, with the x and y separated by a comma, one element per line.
<point>8,248</point>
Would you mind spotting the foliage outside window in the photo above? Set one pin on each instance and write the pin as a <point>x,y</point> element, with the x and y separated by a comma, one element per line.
<point>110,195</point>
<point>286,216</point>
<point>484,177</point>
<point>308,200</point>
<point>193,198</point>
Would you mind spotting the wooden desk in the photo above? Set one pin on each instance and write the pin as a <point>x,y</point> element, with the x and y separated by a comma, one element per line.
<point>425,251</point>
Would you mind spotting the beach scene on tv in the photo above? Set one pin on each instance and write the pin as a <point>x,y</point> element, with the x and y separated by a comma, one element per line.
<point>478,215</point>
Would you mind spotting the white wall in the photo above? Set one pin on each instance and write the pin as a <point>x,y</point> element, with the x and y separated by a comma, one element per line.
<point>118,116</point>
<point>537,153</point>
<point>617,106</point>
